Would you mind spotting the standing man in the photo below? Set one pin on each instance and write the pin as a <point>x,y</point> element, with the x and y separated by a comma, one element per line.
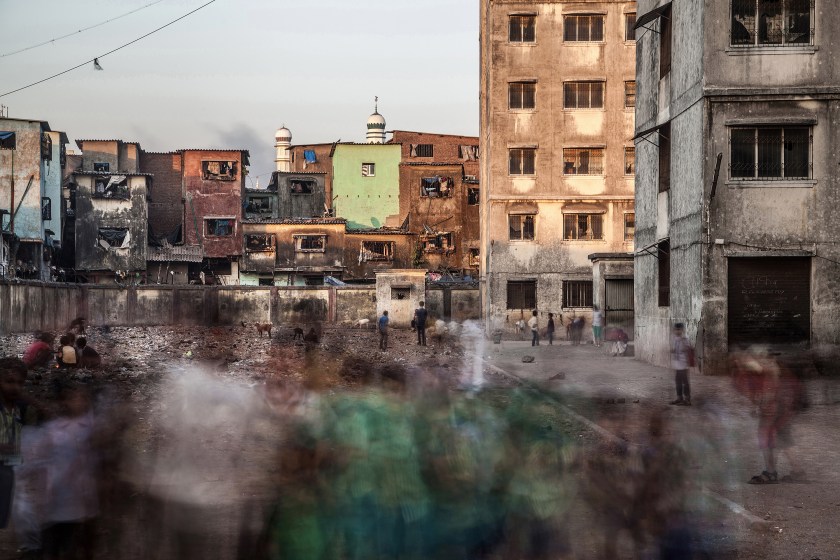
<point>682,356</point>
<point>534,323</point>
<point>420,315</point>
<point>383,331</point>
<point>597,325</point>
<point>550,329</point>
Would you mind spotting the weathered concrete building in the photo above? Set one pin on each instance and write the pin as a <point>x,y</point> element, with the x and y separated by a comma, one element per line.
<point>366,184</point>
<point>557,161</point>
<point>297,195</point>
<point>314,158</point>
<point>736,183</point>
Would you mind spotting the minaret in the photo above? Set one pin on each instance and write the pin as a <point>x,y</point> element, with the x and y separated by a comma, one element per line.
<point>283,144</point>
<point>376,126</point>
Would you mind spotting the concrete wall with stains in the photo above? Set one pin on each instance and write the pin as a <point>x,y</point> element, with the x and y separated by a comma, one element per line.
<point>322,164</point>
<point>27,165</point>
<point>371,201</point>
<point>121,157</point>
<point>291,204</point>
<point>53,177</point>
<point>357,268</point>
<point>93,213</point>
<point>400,292</point>
<point>549,193</point>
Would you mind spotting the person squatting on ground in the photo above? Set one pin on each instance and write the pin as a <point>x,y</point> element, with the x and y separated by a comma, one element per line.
<point>382,326</point>
<point>597,326</point>
<point>40,352</point>
<point>420,316</point>
<point>86,356</point>
<point>682,358</point>
<point>550,329</point>
<point>534,325</point>
<point>66,355</point>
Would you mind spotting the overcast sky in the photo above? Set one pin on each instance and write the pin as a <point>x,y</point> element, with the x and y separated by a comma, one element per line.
<point>232,73</point>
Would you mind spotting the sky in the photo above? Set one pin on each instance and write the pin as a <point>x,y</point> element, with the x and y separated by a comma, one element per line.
<point>232,73</point>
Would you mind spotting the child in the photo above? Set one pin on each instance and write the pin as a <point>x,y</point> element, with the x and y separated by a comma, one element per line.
<point>66,356</point>
<point>86,356</point>
<point>39,352</point>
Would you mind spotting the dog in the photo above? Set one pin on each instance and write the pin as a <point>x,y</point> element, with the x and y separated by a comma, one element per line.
<point>77,325</point>
<point>264,328</point>
<point>362,323</point>
<point>311,336</point>
<point>519,328</point>
<point>298,333</point>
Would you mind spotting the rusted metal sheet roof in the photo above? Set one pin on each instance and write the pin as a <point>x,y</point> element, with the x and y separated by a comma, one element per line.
<point>176,253</point>
<point>297,221</point>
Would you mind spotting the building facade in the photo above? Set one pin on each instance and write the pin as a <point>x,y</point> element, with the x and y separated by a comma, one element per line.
<point>556,153</point>
<point>737,141</point>
<point>366,184</point>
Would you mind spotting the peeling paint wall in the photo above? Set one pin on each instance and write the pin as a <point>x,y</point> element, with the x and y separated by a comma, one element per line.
<point>121,157</point>
<point>27,164</point>
<point>358,268</point>
<point>291,204</point>
<point>391,286</point>
<point>166,197</point>
<point>323,163</point>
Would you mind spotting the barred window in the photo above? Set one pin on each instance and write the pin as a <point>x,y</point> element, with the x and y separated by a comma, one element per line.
<point>583,28</point>
<point>770,153</point>
<point>629,226</point>
<point>522,161</point>
<point>583,95</point>
<point>630,160</point>
<point>521,227</point>
<point>522,294</point>
<point>771,22</point>
<point>522,29</point>
<point>424,150</point>
<point>629,27</point>
<point>583,226</point>
<point>583,161</point>
<point>522,95</point>
<point>630,94</point>
<point>310,243</point>
<point>577,293</point>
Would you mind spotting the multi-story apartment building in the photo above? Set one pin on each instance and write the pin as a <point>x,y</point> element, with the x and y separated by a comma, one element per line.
<point>736,185</point>
<point>557,157</point>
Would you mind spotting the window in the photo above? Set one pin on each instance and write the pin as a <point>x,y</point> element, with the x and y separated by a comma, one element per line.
<point>665,158</point>
<point>469,153</point>
<point>218,170</point>
<point>46,209</point>
<point>265,281</point>
<point>583,95</point>
<point>629,226</point>
<point>629,94</point>
<point>377,251</point>
<point>46,147</point>
<point>313,280</point>
<point>522,161</point>
<point>437,243</point>
<point>577,293</point>
<point>522,29</point>
<point>522,95</point>
<point>368,170</point>
<point>770,153</point>
<point>665,43</point>
<point>663,253</point>
<point>522,294</point>
<point>219,227</point>
<point>111,186</point>
<point>113,238</point>
<point>258,243</point>
<point>474,258</point>
<point>473,196</point>
<point>257,205</point>
<point>771,22</point>
<point>100,167</point>
<point>583,161</point>
<point>629,24</point>
<point>521,227</point>
<point>422,150</point>
<point>400,292</point>
<point>583,28</point>
<point>583,226</point>
<point>630,160</point>
<point>310,243</point>
<point>436,187</point>
<point>301,186</point>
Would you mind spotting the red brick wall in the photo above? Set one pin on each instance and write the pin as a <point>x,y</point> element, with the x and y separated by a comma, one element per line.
<point>323,165</point>
<point>445,148</point>
<point>166,207</point>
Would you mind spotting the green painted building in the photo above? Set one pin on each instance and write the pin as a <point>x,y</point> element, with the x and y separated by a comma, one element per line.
<point>366,184</point>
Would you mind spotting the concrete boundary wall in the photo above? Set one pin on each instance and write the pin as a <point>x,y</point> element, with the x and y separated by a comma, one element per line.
<point>31,306</point>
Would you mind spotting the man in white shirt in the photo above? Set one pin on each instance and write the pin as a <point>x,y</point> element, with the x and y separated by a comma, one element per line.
<point>597,326</point>
<point>533,322</point>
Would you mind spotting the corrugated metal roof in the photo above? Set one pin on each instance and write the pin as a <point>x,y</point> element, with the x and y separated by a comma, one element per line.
<point>442,135</point>
<point>431,163</point>
<point>297,221</point>
<point>109,173</point>
<point>106,140</point>
<point>177,253</point>
<point>379,232</point>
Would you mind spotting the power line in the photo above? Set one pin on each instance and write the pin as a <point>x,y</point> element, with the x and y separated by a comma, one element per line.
<point>100,24</point>
<point>96,58</point>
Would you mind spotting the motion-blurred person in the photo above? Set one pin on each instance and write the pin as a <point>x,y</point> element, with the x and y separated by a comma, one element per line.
<point>66,356</point>
<point>12,377</point>
<point>382,326</point>
<point>39,352</point>
<point>534,325</point>
<point>86,356</point>
<point>420,316</point>
<point>597,326</point>
<point>549,331</point>
<point>682,358</point>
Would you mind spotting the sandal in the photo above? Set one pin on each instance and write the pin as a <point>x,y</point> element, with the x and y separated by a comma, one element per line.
<point>764,478</point>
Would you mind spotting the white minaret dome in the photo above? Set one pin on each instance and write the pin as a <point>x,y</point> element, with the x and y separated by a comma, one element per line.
<point>376,127</point>
<point>283,145</point>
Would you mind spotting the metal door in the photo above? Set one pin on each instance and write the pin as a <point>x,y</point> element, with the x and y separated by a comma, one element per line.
<point>619,305</point>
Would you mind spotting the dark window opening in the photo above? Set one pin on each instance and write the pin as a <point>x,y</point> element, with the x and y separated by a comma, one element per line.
<point>258,205</point>
<point>219,227</point>
<point>629,226</point>
<point>368,170</point>
<point>522,29</point>
<point>771,22</point>
<point>665,43</point>
<point>113,238</point>
<point>522,161</point>
<point>522,95</point>
<point>521,227</point>
<point>101,167</point>
<point>473,196</point>
<point>577,293</point>
<point>770,153</point>
<point>665,158</point>
<point>630,94</point>
<point>583,226</point>
<point>630,160</point>
<point>313,280</point>
<point>474,257</point>
<point>113,186</point>
<point>46,209</point>
<point>522,294</point>
<point>440,243</point>
<point>583,28</point>
<point>422,150</point>
<point>629,25</point>
<point>256,243</point>
<point>218,170</point>
<point>664,254</point>
<point>266,281</point>
<point>377,251</point>
<point>46,147</point>
<point>436,187</point>
<point>301,186</point>
<point>400,293</point>
<point>310,243</point>
<point>583,95</point>
<point>583,161</point>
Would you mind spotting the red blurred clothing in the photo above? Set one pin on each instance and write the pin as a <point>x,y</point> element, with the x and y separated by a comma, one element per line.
<point>39,352</point>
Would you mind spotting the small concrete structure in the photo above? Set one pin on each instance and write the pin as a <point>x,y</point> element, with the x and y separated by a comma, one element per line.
<point>399,292</point>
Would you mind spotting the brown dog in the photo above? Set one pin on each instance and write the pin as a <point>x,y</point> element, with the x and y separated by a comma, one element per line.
<point>264,328</point>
